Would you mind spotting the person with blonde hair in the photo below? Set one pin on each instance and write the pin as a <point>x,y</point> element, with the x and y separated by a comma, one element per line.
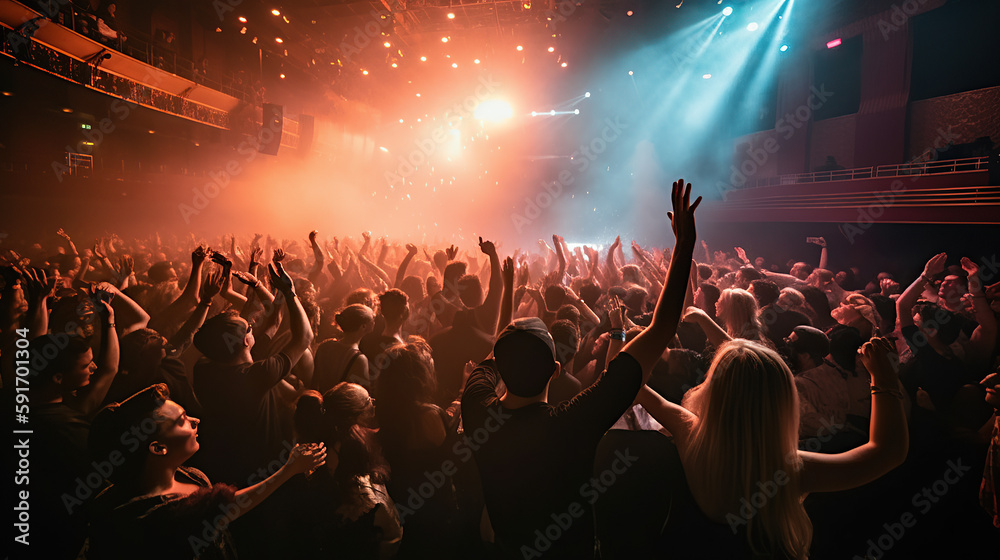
<point>737,440</point>
<point>737,311</point>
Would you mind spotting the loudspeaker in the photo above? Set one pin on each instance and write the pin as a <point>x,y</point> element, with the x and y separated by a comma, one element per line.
<point>307,127</point>
<point>270,129</point>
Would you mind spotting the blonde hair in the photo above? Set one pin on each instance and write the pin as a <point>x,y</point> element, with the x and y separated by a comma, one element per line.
<point>739,314</point>
<point>744,447</point>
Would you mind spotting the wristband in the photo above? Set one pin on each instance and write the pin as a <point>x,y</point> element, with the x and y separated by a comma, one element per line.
<point>617,334</point>
<point>109,326</point>
<point>876,390</point>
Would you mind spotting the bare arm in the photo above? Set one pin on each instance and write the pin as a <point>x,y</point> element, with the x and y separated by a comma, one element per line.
<point>507,303</point>
<point>678,420</point>
<point>713,331</point>
<point>411,251</point>
<point>613,270</point>
<point>488,313</point>
<point>91,399</point>
<point>909,297</point>
<point>303,458</point>
<point>302,334</point>
<point>648,346</point>
<point>560,256</point>
<point>983,339</point>
<point>131,315</point>
<point>888,438</point>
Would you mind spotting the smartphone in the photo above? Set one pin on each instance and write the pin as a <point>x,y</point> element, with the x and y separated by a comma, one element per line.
<point>812,240</point>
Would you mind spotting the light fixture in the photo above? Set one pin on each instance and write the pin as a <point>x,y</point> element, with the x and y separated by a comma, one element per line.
<point>706,76</point>
<point>282,76</point>
<point>365,72</point>
<point>394,65</point>
<point>552,49</point>
<point>727,11</point>
<point>444,39</point>
<point>243,19</point>
<point>451,15</point>
<point>454,65</point>
<point>752,26</point>
<point>629,13</point>
<point>476,61</point>
<point>423,59</point>
<point>279,40</point>
<point>276,12</point>
<point>519,48</point>
<point>387,44</point>
<point>563,65</point>
<point>834,43</point>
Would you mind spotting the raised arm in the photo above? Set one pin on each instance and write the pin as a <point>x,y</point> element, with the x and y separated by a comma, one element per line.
<point>318,259</point>
<point>560,255</point>
<point>713,331</point>
<point>302,334</point>
<point>304,457</point>
<point>170,319</point>
<point>507,303</point>
<point>411,251</point>
<point>130,314</point>
<point>185,335</point>
<point>648,346</point>
<point>613,270</point>
<point>488,313</point>
<point>824,257</point>
<point>909,297</point>
<point>90,399</point>
<point>983,339</point>
<point>888,437</point>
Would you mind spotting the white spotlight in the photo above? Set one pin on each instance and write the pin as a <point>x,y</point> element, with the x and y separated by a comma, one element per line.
<point>706,77</point>
<point>587,94</point>
<point>493,110</point>
<point>752,26</point>
<point>727,11</point>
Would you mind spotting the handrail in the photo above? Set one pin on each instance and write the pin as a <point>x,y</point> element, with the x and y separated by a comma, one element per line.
<point>892,170</point>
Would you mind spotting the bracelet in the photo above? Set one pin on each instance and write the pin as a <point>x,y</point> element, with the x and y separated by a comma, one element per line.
<point>109,326</point>
<point>617,334</point>
<point>876,390</point>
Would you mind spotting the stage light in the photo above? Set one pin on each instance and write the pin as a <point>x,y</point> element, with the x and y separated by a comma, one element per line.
<point>243,31</point>
<point>276,12</point>
<point>444,39</point>
<point>576,111</point>
<point>279,40</point>
<point>451,15</point>
<point>282,76</point>
<point>519,48</point>
<point>254,41</point>
<point>418,95</point>
<point>534,114</point>
<point>400,121</point>
<point>286,19</point>
<point>629,13</point>
<point>552,49</point>
<point>493,110</point>
<point>834,43</point>
<point>563,65</point>
<point>218,30</point>
<point>67,110</point>
<point>423,59</point>
<point>387,44</point>
<point>476,61</point>
<point>629,72</point>
<point>384,149</point>
<point>152,131</point>
<point>454,65</point>
<point>527,5</point>
<point>727,11</point>
<point>365,72</point>
<point>752,26</point>
<point>243,19</point>
<point>552,112</point>
<point>706,77</point>
<point>394,65</point>
<point>587,94</point>
<point>783,48</point>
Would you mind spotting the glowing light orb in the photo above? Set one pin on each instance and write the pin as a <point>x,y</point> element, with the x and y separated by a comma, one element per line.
<point>493,110</point>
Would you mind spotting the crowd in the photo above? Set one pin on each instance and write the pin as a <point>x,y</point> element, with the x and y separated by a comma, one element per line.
<point>362,398</point>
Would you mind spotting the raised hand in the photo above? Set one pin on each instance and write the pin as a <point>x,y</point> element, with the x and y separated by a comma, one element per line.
<point>61,233</point>
<point>507,271</point>
<point>255,254</point>
<point>279,255</point>
<point>36,285</point>
<point>615,312</point>
<point>451,252</point>
<point>312,237</point>
<point>246,278</point>
<point>221,260</point>
<point>280,279</point>
<point>198,256</point>
<point>742,254</point>
<point>692,315</point>
<point>682,216</point>
<point>487,247</point>
<point>306,457</point>
<point>888,286</point>
<point>876,355</point>
<point>211,287</point>
<point>411,249</point>
<point>972,270</point>
<point>935,265</point>
<point>819,241</point>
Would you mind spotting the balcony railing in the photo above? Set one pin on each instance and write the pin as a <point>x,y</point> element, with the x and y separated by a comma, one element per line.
<point>895,170</point>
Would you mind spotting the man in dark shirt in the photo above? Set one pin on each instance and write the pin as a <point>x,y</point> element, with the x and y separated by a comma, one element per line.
<point>246,424</point>
<point>535,460</point>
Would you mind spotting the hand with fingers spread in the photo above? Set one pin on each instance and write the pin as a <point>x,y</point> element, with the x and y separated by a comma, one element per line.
<point>279,255</point>
<point>221,260</point>
<point>36,285</point>
<point>682,216</point>
<point>888,286</point>
<point>451,252</point>
<point>305,457</point>
<point>507,271</point>
<point>616,314</point>
<point>972,270</point>
<point>255,254</point>
<point>211,287</point>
